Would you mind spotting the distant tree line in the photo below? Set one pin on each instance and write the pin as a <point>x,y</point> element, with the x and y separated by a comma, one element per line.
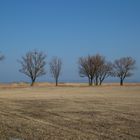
<point>95,67</point>
<point>33,65</point>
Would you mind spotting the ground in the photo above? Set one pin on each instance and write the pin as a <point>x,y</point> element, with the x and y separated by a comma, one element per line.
<point>70,113</point>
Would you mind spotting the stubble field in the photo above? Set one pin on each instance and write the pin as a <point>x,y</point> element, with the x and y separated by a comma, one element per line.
<point>70,113</point>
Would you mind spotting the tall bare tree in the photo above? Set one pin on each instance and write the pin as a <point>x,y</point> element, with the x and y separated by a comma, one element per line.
<point>33,65</point>
<point>98,61</point>
<point>55,68</point>
<point>86,68</point>
<point>105,71</point>
<point>95,68</point>
<point>123,68</point>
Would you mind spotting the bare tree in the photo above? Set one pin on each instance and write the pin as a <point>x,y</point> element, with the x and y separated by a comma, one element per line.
<point>105,71</point>
<point>55,68</point>
<point>95,68</point>
<point>86,68</point>
<point>33,65</point>
<point>98,61</point>
<point>123,68</point>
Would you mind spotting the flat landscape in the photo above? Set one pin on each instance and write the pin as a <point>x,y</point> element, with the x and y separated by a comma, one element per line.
<point>70,113</point>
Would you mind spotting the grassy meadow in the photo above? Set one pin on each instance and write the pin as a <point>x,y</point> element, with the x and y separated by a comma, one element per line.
<point>69,112</point>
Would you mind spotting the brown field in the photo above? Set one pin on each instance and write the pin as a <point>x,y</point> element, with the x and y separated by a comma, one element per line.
<point>72,112</point>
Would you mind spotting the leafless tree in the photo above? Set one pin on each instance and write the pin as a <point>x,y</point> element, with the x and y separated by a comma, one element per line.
<point>33,65</point>
<point>55,68</point>
<point>105,71</point>
<point>95,68</point>
<point>123,68</point>
<point>86,68</point>
<point>98,61</point>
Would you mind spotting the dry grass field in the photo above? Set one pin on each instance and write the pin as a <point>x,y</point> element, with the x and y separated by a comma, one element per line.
<point>70,113</point>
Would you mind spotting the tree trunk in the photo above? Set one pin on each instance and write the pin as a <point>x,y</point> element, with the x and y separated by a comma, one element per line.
<point>121,82</point>
<point>100,83</point>
<point>91,82</point>
<point>56,82</point>
<point>32,83</point>
<point>96,81</point>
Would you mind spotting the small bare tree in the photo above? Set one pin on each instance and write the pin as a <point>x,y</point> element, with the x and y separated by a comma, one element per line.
<point>86,68</point>
<point>98,61</point>
<point>123,68</point>
<point>33,65</point>
<point>105,71</point>
<point>55,68</point>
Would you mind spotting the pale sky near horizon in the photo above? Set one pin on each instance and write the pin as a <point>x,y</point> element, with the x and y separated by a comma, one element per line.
<point>68,29</point>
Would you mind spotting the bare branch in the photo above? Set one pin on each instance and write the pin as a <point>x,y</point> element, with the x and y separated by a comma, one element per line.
<point>95,68</point>
<point>123,68</point>
<point>105,71</point>
<point>55,68</point>
<point>33,65</point>
<point>87,68</point>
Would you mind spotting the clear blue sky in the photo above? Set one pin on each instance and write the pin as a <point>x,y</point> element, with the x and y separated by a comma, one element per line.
<point>68,29</point>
